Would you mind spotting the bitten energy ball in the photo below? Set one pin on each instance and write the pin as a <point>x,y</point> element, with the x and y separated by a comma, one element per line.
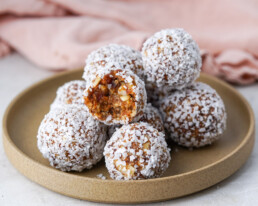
<point>136,151</point>
<point>171,57</point>
<point>195,116</point>
<point>151,116</point>
<point>113,55</point>
<point>115,96</point>
<point>71,139</point>
<point>71,93</point>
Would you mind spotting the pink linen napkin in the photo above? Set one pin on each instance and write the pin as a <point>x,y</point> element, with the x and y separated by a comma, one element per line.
<point>59,34</point>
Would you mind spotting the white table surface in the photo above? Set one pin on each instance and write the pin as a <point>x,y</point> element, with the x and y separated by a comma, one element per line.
<point>16,74</point>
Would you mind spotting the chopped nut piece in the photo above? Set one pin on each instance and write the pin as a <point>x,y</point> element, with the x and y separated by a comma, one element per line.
<point>122,90</point>
<point>125,98</point>
<point>146,145</point>
<point>102,87</point>
<point>131,169</point>
<point>125,170</point>
<point>96,81</point>
<point>133,113</point>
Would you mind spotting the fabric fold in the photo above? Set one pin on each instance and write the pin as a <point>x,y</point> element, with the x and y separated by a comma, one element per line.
<point>59,34</point>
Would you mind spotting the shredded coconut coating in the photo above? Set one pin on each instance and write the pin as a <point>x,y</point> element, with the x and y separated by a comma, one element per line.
<point>156,94</point>
<point>101,176</point>
<point>71,93</point>
<point>113,55</point>
<point>137,85</point>
<point>195,116</point>
<point>171,57</point>
<point>136,151</point>
<point>71,139</point>
<point>151,116</point>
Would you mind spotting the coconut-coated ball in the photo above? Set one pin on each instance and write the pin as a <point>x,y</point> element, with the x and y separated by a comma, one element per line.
<point>156,94</point>
<point>113,55</point>
<point>71,139</point>
<point>195,116</point>
<point>151,116</point>
<point>71,93</point>
<point>171,57</point>
<point>136,151</point>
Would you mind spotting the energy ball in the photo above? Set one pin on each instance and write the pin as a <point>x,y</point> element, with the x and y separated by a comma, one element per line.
<point>71,93</point>
<point>151,116</point>
<point>156,94</point>
<point>113,55</point>
<point>136,151</point>
<point>71,139</point>
<point>171,57</point>
<point>115,96</point>
<point>195,116</point>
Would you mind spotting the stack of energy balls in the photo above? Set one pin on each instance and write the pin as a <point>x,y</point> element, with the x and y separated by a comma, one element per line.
<point>118,111</point>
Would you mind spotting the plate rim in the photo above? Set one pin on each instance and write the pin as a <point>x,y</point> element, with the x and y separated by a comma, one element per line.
<point>8,141</point>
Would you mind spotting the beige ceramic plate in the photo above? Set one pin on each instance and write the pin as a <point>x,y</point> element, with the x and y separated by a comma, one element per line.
<point>189,171</point>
